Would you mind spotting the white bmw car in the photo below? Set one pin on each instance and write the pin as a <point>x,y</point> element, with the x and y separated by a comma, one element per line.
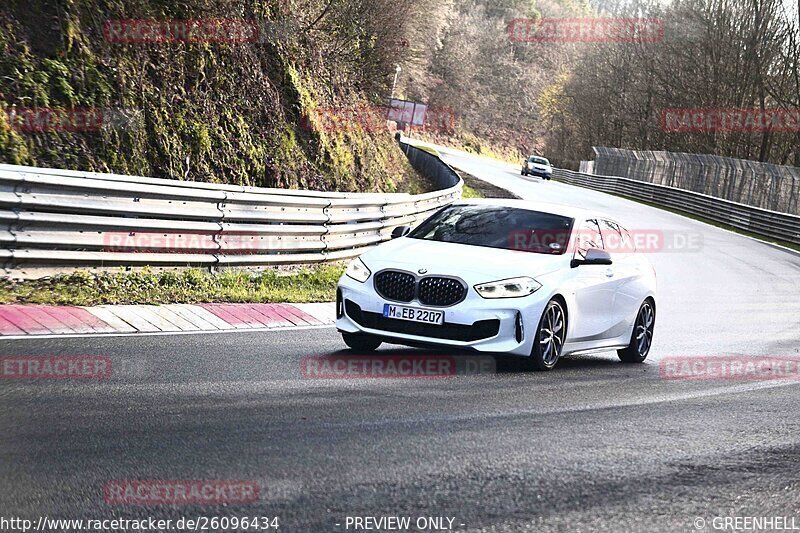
<point>503,276</point>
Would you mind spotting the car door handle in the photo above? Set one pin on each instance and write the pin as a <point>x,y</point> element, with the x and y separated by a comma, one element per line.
<point>609,273</point>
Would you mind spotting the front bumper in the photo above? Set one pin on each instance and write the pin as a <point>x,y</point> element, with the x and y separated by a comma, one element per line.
<point>540,173</point>
<point>485,325</point>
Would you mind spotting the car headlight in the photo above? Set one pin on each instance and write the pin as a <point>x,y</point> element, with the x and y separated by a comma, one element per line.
<point>358,270</point>
<point>508,288</point>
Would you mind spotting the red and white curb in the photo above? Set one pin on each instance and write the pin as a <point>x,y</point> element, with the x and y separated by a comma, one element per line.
<point>23,320</point>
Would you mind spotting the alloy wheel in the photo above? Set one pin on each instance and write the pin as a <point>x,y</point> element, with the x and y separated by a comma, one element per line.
<point>644,328</point>
<point>551,334</point>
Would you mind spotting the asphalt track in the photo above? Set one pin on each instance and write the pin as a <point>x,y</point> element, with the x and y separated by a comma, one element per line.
<point>592,445</point>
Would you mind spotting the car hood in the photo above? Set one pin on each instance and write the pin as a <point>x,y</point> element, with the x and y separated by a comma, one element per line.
<point>475,264</point>
<point>538,166</point>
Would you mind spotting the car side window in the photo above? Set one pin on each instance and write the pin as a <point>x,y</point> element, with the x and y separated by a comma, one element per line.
<point>613,238</point>
<point>630,245</point>
<point>628,239</point>
<point>589,236</point>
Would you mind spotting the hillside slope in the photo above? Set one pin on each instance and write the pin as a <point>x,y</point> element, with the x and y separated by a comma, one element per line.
<point>213,109</point>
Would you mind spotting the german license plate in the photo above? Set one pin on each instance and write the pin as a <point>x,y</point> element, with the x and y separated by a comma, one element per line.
<point>413,314</point>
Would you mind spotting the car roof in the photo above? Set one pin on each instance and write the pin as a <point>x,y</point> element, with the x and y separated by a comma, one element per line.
<point>544,207</point>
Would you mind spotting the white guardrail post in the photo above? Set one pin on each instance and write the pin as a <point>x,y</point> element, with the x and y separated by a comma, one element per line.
<point>59,220</point>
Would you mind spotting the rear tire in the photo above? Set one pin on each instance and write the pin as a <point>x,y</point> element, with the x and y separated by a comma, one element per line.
<point>549,339</point>
<point>642,336</point>
<point>360,342</point>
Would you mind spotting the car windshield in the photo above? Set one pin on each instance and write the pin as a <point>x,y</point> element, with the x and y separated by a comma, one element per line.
<point>502,227</point>
<point>539,160</point>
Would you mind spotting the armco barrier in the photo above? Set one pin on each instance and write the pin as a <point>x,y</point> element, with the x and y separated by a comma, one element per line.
<point>781,226</point>
<point>58,220</point>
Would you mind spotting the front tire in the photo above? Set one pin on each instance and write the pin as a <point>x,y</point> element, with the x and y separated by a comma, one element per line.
<point>550,337</point>
<point>361,343</point>
<point>642,336</point>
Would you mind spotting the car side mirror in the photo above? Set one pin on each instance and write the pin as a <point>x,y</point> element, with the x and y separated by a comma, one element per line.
<point>593,257</point>
<point>401,231</point>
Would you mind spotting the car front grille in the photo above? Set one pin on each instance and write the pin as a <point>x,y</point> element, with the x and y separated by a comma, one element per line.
<point>482,329</point>
<point>394,285</point>
<point>441,291</point>
<point>403,287</point>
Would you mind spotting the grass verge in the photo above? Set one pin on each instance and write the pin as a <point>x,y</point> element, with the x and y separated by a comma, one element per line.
<point>312,284</point>
<point>473,144</point>
<point>476,188</point>
<point>468,192</point>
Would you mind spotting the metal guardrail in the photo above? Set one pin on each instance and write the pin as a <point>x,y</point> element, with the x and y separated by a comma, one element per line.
<point>764,185</point>
<point>58,220</point>
<point>772,224</point>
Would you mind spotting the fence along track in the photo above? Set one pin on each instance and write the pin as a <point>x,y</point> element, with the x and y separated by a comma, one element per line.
<point>764,185</point>
<point>771,224</point>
